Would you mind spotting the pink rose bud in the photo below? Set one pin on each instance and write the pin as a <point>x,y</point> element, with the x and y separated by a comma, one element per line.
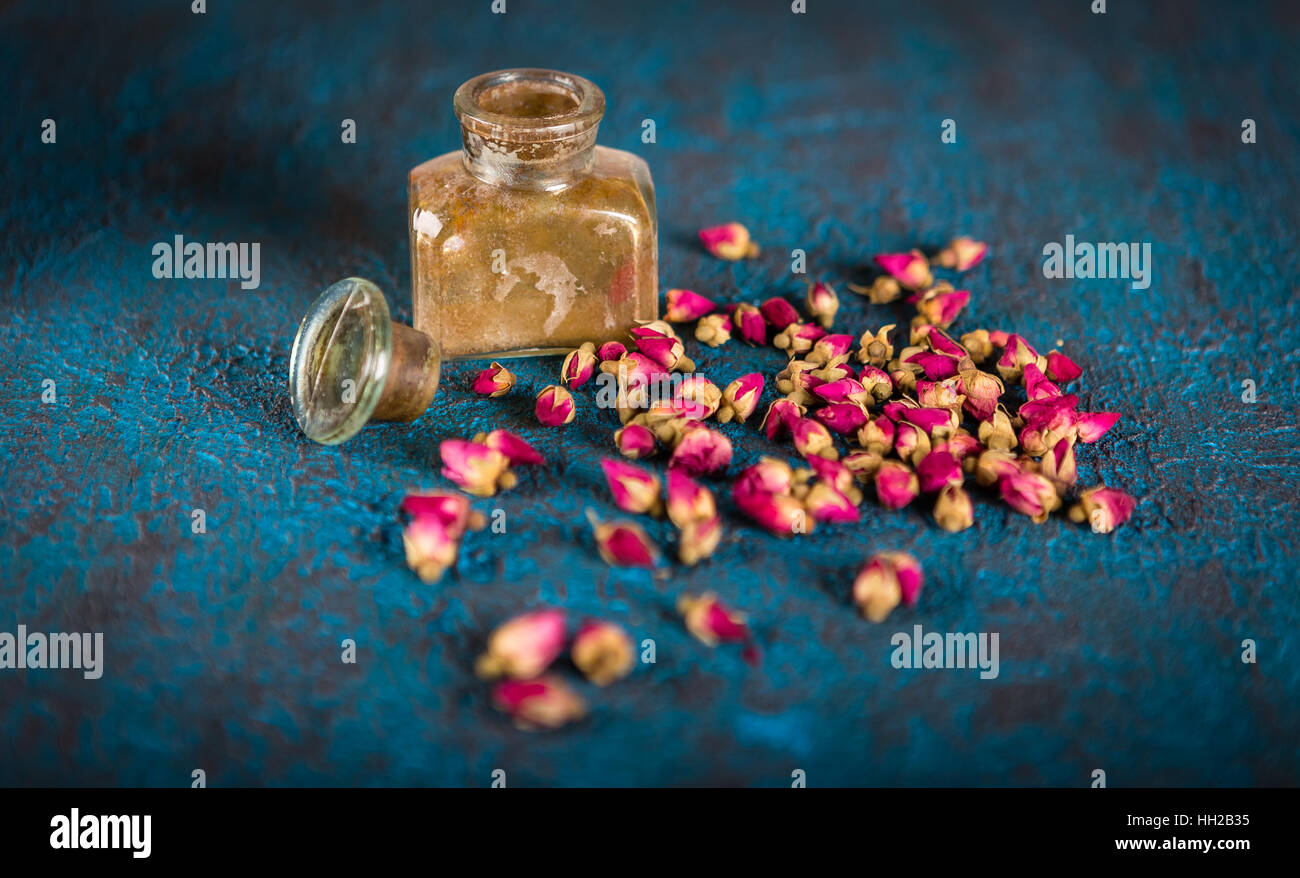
<point>885,581</point>
<point>779,313</point>
<point>896,484</point>
<point>1103,508</point>
<point>983,391</point>
<point>827,504</point>
<point>688,500</point>
<point>936,367</point>
<point>554,406</point>
<point>822,303</point>
<point>991,467</point>
<point>524,646</point>
<point>930,419</point>
<point>730,241</point>
<point>1037,387</point>
<point>780,417</point>
<point>812,438</point>
<point>937,469</point>
<point>1059,465</point>
<point>942,308</point>
<point>516,450</point>
<point>1031,494</point>
<point>944,394</point>
<point>579,365</point>
<point>962,254</point>
<point>699,540</point>
<point>635,489</point>
<point>740,399</point>
<point>684,306</point>
<point>910,269</point>
<point>842,417</point>
<point>611,351</point>
<point>830,347</point>
<point>710,621</point>
<point>477,469</point>
<point>749,322</point>
<point>603,652</point>
<point>1016,354</point>
<point>449,509</point>
<point>961,446</point>
<point>877,435</point>
<point>844,390</point>
<point>1091,426</point>
<point>496,380</point>
<point>780,514</point>
<point>544,703</point>
<point>713,330</point>
<point>1061,368</point>
<point>430,547</point>
<point>662,347</point>
<point>696,398</point>
<point>768,476</point>
<point>635,441</point>
<point>911,443</point>
<point>701,451</point>
<point>798,338</point>
<point>953,510</point>
<point>624,543</point>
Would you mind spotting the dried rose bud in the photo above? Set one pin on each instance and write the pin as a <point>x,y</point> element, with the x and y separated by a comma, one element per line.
<point>993,466</point>
<point>623,543</point>
<point>982,391</point>
<point>749,322</point>
<point>611,352</point>
<point>779,313</point>
<point>978,345</point>
<point>997,433</point>
<point>696,398</point>
<point>830,348</point>
<point>935,366</point>
<point>904,378</point>
<point>448,508</point>
<point>874,348</point>
<point>513,446</point>
<point>634,371</point>
<point>664,348</point>
<point>689,502</point>
<point>796,381</point>
<point>430,547</point>
<point>496,380</point>
<point>798,338</point>
<point>740,399</point>
<point>863,464</point>
<point>683,306</point>
<point>524,646</point>
<point>780,417</point>
<point>838,475</point>
<point>603,652</point>
<point>833,371</point>
<point>935,422</point>
<point>477,469</point>
<point>944,394</point>
<point>1037,387</point>
<point>699,540</point>
<point>579,365</point>
<point>1103,508</point>
<point>937,470</point>
<point>713,330</point>
<point>876,382</point>
<point>710,621</point>
<point>960,445</point>
<point>953,510</point>
<point>635,441</point>
<point>885,581</point>
<point>896,484</point>
<point>844,390</point>
<point>1059,465</point>
<point>769,476</point>
<point>843,417</point>
<point>883,290</point>
<point>780,514</point>
<point>910,269</point>
<point>941,307</point>
<point>701,451</point>
<point>1015,355</point>
<point>635,489</point>
<point>812,438</point>
<point>544,703</point>
<point>555,406</point>
<point>1091,426</point>
<point>911,443</point>
<point>1031,494</point>
<point>729,241</point>
<point>878,435</point>
<point>962,253</point>
<point>1047,426</point>
<point>1061,368</point>
<point>822,303</point>
<point>825,504</point>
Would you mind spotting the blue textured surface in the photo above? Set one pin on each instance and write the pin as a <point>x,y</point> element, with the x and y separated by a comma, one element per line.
<point>819,131</point>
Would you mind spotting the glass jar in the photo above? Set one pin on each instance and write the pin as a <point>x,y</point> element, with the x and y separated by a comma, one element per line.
<point>531,239</point>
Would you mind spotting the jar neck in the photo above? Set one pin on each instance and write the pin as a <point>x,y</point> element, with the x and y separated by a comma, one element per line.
<point>529,128</point>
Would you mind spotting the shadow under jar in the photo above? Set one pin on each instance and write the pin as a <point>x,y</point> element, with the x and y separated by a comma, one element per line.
<point>531,239</point>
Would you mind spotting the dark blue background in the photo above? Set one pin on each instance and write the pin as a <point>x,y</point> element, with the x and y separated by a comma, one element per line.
<point>819,131</point>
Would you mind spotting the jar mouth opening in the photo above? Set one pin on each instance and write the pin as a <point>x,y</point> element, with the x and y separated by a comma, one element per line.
<point>529,105</point>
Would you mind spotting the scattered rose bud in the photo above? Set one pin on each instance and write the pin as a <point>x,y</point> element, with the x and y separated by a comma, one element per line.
<point>740,399</point>
<point>699,540</point>
<point>962,253</point>
<point>822,303</point>
<point>798,338</point>
<point>779,313</point>
<point>885,581</point>
<point>603,652</point>
<point>838,475</point>
<point>751,325</point>
<point>555,406</point>
<point>730,241</point>
<point>911,269</point>
<point>826,504</point>
<point>624,543</point>
<point>844,390</point>
<point>997,433</point>
<point>874,348</point>
<point>635,489</point>
<point>812,438</point>
<point>1031,494</point>
<point>1103,508</point>
<point>448,508</point>
<point>524,646</point>
<point>935,366</point>
<point>689,502</point>
<point>1015,355</point>
<point>496,380</point>
<point>877,383</point>
<point>477,469</point>
<point>953,510</point>
<point>937,470</point>
<point>635,441</point>
<point>1061,368</point>
<point>663,347</point>
<point>696,398</point>
<point>701,451</point>
<point>911,443</point>
<point>896,484</point>
<point>683,306</point>
<point>843,417</point>
<point>991,467</point>
<point>1091,426</point>
<point>883,290</point>
<point>978,345</point>
<point>430,547</point>
<point>768,476</point>
<point>713,330</point>
<point>710,621</point>
<point>513,446</point>
<point>780,417</point>
<point>1059,465</point>
<point>830,348</point>
<point>982,392</point>
<point>611,351</point>
<point>877,435</point>
<point>544,703</point>
<point>941,307</point>
<point>863,464</point>
<point>1037,387</point>
<point>579,365</point>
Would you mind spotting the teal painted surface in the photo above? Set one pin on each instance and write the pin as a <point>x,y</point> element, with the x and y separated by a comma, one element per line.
<point>819,132</point>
